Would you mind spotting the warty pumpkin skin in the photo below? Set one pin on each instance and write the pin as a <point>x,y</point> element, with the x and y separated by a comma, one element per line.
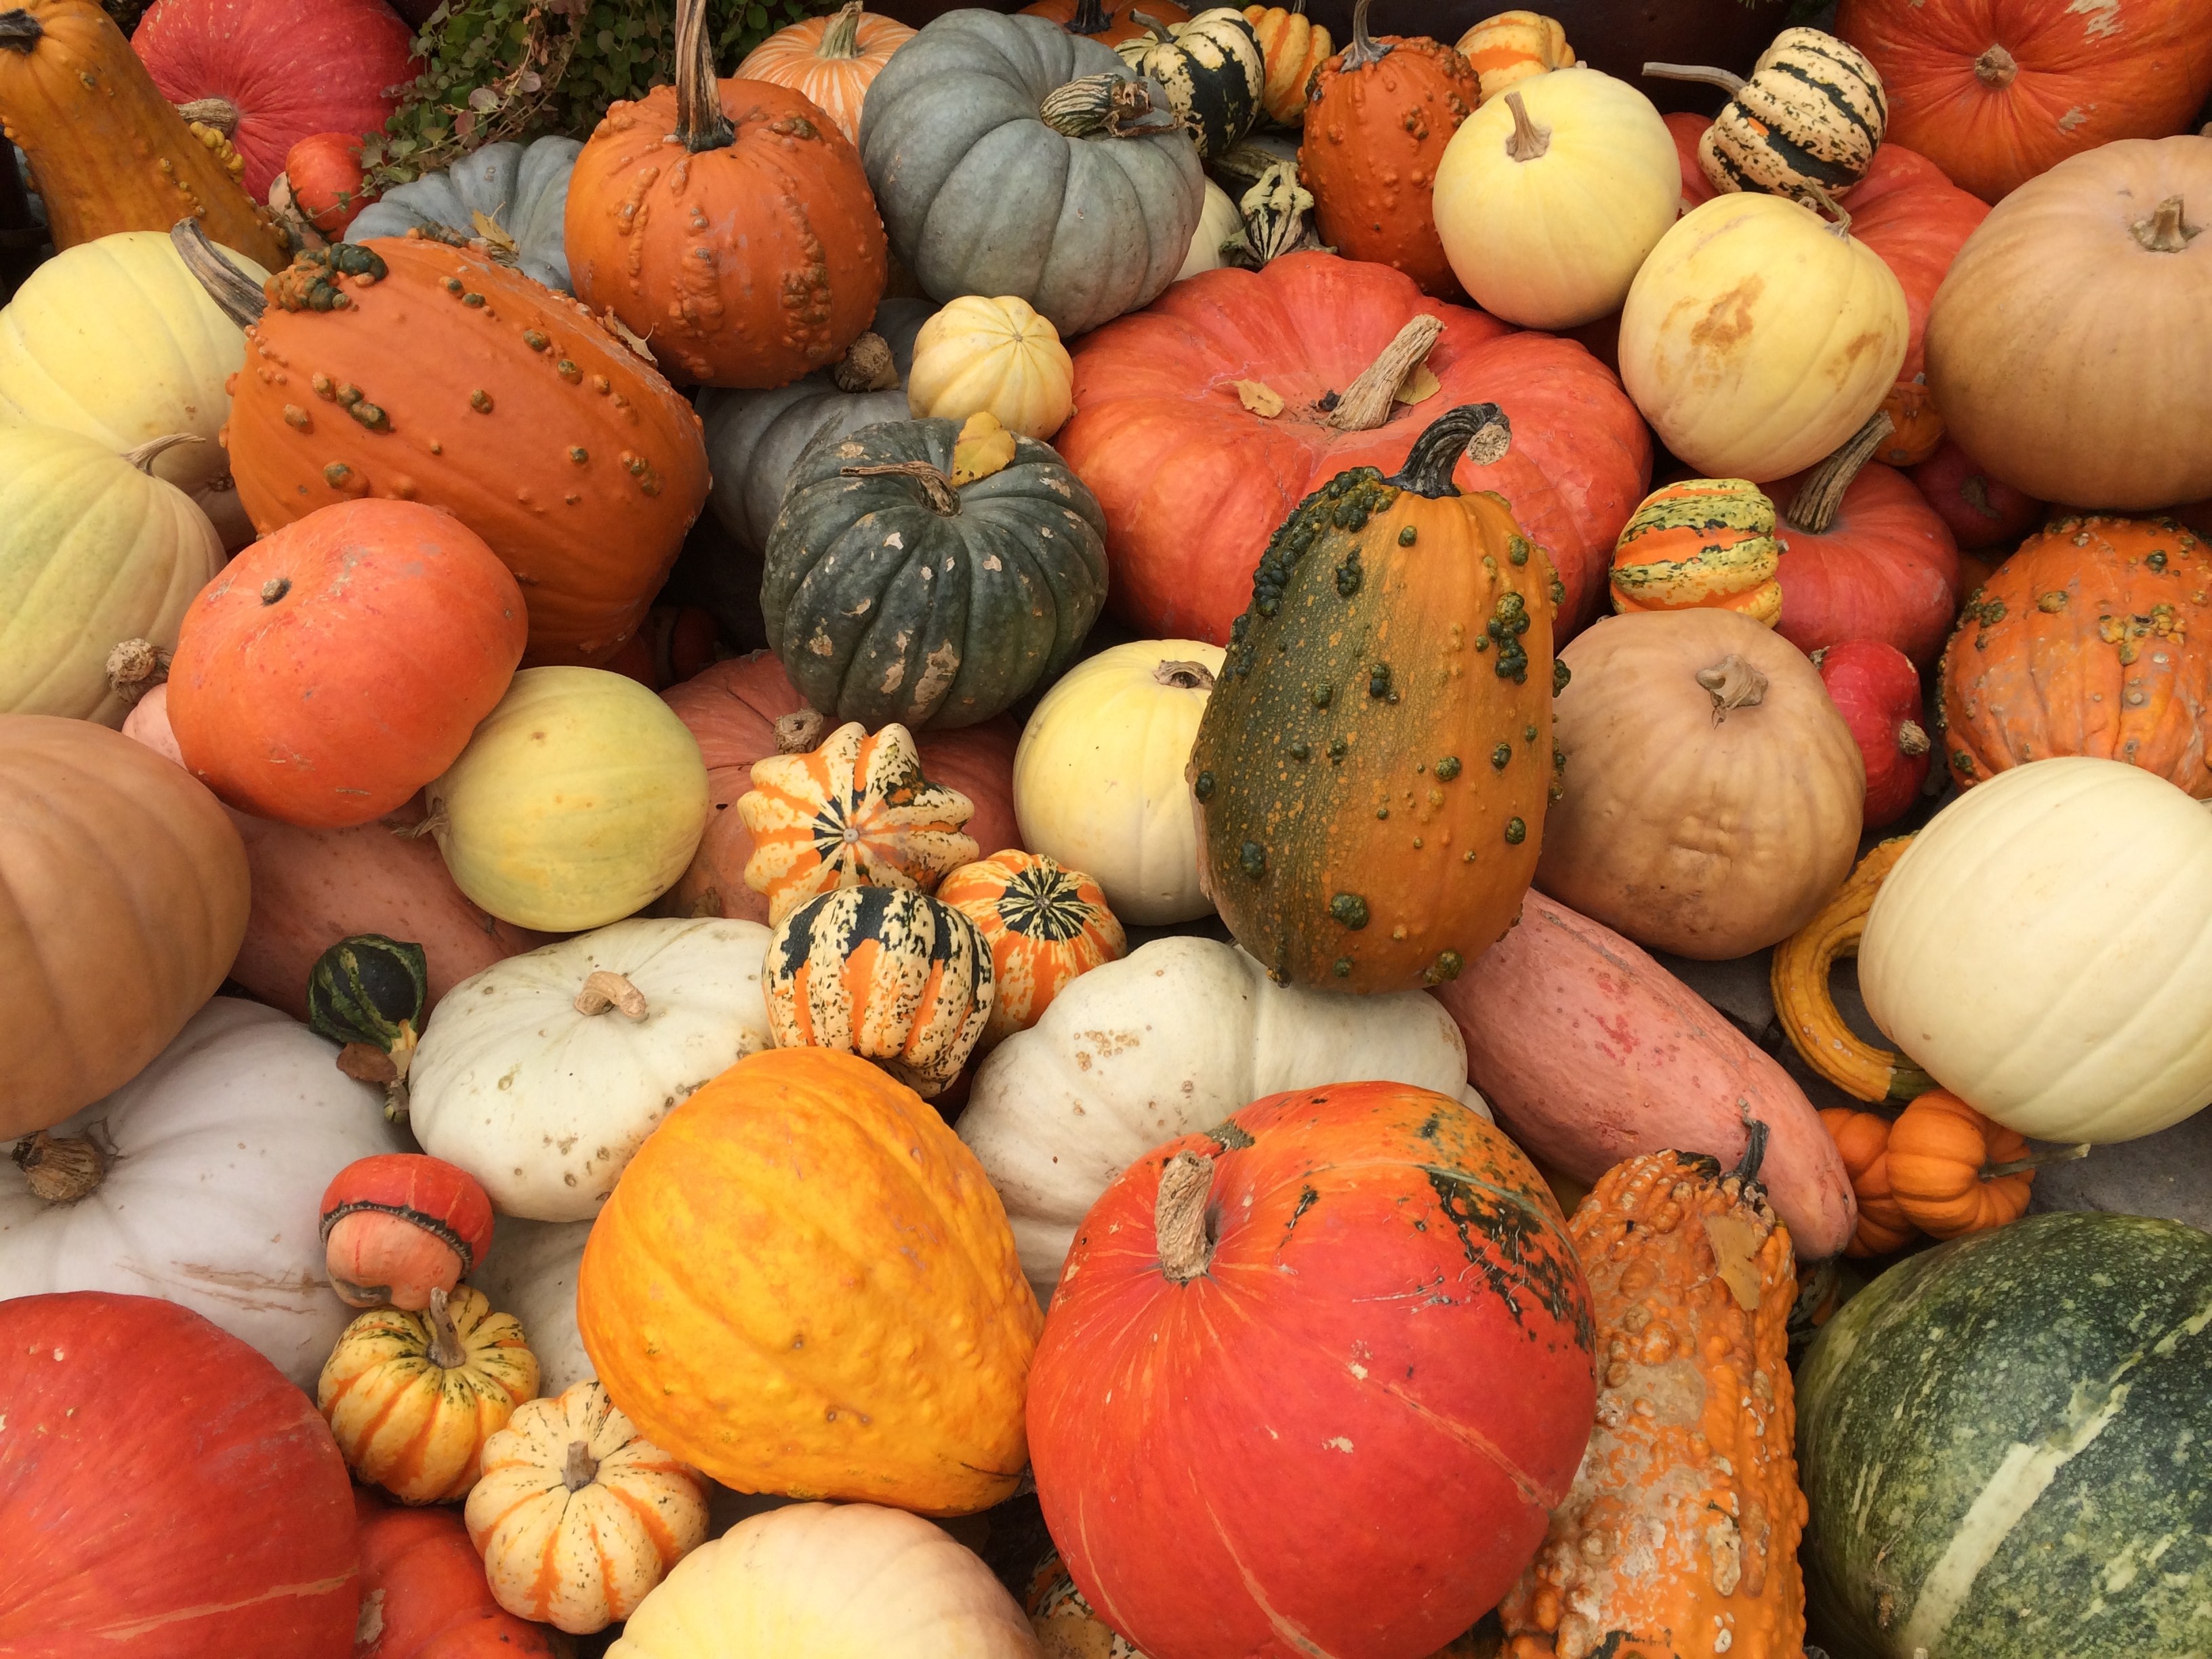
<point>868,1335</point>
<point>832,61</point>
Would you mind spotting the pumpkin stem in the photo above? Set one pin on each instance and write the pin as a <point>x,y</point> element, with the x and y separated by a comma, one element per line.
<point>1107,103</point>
<point>1726,80</point>
<point>1528,141</point>
<point>217,112</point>
<point>1820,497</point>
<point>20,32</point>
<point>936,487</point>
<point>1754,1145</point>
<point>60,1170</point>
<point>1912,738</point>
<point>1160,30</point>
<point>1184,676</point>
<point>843,37</point>
<point>2164,232</point>
<point>800,733</point>
<point>866,365</point>
<point>447,1350</point>
<point>603,989</point>
<point>2036,1161</point>
<point>582,1468</point>
<point>1367,402</point>
<point>1996,68</point>
<point>1479,431</point>
<point>1090,17</point>
<point>135,668</point>
<point>142,457</point>
<point>237,296</point>
<point>1365,48</point>
<point>1179,1216</point>
<point>1733,684</point>
<point>699,122</point>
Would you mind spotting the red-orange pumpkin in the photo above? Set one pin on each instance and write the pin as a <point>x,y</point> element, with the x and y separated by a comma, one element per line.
<point>336,666</point>
<point>1877,689</point>
<point>424,1595</point>
<point>323,170</point>
<point>1981,511</point>
<point>399,1223</point>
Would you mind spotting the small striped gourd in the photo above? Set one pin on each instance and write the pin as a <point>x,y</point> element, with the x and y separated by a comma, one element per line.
<point>1292,49</point>
<point>1806,125</point>
<point>1212,69</point>
<point>1045,925</point>
<point>1697,542</point>
<point>1512,46</point>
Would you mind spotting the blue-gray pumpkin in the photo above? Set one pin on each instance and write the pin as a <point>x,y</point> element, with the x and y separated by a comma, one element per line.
<point>525,188</point>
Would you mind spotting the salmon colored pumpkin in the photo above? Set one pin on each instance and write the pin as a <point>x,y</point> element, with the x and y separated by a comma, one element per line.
<point>830,59</point>
<point>1863,1138</point>
<point>338,665</point>
<point>1945,1168</point>
<point>423,1593</point>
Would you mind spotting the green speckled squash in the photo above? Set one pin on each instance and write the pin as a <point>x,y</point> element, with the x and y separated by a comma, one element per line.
<point>1211,68</point>
<point>892,595</point>
<point>1376,758</point>
<point>367,993</point>
<point>2003,1441</point>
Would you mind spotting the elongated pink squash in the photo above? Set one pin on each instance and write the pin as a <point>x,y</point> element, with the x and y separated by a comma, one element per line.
<point>1589,1052</point>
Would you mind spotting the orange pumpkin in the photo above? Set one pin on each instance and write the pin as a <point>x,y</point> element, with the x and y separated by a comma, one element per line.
<point>323,172</point>
<point>423,1594</point>
<point>1863,1137</point>
<point>1045,924</point>
<point>1377,122</point>
<point>397,1225</point>
<point>1292,49</point>
<point>1915,428</point>
<point>830,59</point>
<point>1943,1161</point>
<point>757,256</point>
<point>1110,24</point>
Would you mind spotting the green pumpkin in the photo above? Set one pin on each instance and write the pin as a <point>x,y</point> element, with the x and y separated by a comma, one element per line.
<point>367,993</point>
<point>524,189</point>
<point>1211,68</point>
<point>889,595</point>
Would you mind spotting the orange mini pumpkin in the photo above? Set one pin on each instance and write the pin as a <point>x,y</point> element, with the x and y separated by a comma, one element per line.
<point>1045,924</point>
<point>730,222</point>
<point>1944,1158</point>
<point>830,60</point>
<point>1863,1137</point>
<point>1916,427</point>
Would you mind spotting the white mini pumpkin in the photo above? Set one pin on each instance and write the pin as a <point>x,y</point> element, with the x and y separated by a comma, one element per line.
<point>1173,1038</point>
<point>207,1187</point>
<point>542,1075</point>
<point>530,1272</point>
<point>1219,222</point>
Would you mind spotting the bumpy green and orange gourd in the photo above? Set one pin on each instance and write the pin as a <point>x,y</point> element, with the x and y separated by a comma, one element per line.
<point>1376,758</point>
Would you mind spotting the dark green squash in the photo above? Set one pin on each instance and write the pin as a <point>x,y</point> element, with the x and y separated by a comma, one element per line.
<point>889,595</point>
<point>367,993</point>
<point>1374,763</point>
<point>1211,68</point>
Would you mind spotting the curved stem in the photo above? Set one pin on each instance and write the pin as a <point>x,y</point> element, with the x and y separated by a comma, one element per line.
<point>1733,684</point>
<point>1184,676</point>
<point>1090,17</point>
<point>217,112</point>
<point>60,1170</point>
<point>603,989</point>
<point>446,1350</point>
<point>699,122</point>
<point>1179,1216</point>
<point>2036,1161</point>
<point>1367,402</point>
<point>142,457</point>
<point>1528,141</point>
<point>1726,80</point>
<point>237,296</point>
<point>1365,48</point>
<point>843,37</point>
<point>20,32</point>
<point>1160,30</point>
<point>1754,1146</point>
<point>2164,232</point>
<point>1824,203</point>
<point>936,487</point>
<point>582,1468</point>
<point>1479,431</point>
<point>1820,497</point>
<point>1996,68</point>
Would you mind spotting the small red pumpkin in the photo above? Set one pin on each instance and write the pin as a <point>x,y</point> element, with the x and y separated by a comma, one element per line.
<point>339,664</point>
<point>1877,690</point>
<point>400,1225</point>
<point>1981,511</point>
<point>423,1593</point>
<point>324,171</point>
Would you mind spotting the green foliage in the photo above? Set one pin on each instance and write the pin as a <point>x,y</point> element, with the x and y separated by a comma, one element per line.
<point>511,69</point>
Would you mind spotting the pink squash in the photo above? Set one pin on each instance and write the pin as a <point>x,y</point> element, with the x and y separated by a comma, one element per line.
<point>1589,1052</point>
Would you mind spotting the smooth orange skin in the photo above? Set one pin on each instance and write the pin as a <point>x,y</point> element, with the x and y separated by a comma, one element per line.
<point>323,171</point>
<point>1938,1148</point>
<point>1915,425</point>
<point>792,57</point>
<point>1120,24</point>
<point>395,631</point>
<point>1863,1138</point>
<point>429,1591</point>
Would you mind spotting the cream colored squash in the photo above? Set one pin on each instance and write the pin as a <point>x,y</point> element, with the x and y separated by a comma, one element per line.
<point>1098,782</point>
<point>2043,949</point>
<point>981,354</point>
<point>844,1580</point>
<point>1173,1037</point>
<point>114,340</point>
<point>1219,222</point>
<point>543,1074</point>
<point>531,1273</point>
<point>1757,337</point>
<point>1549,198</point>
<point>579,801</point>
<point>94,550</point>
<point>201,1181</point>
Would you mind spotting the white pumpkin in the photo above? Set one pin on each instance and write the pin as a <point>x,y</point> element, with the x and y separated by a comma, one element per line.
<point>1098,782</point>
<point>841,1581</point>
<point>1173,1038</point>
<point>530,1272</point>
<point>1219,222</point>
<point>2043,949</point>
<point>542,1075</point>
<point>216,1158</point>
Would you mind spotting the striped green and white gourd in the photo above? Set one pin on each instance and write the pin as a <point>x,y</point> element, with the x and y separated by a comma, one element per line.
<point>2006,1443</point>
<point>1212,69</point>
<point>1806,125</point>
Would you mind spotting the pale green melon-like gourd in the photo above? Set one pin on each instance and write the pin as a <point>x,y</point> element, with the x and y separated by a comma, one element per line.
<point>524,188</point>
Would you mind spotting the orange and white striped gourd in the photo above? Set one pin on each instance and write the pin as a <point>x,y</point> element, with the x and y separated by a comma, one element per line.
<point>1512,46</point>
<point>1045,925</point>
<point>1291,48</point>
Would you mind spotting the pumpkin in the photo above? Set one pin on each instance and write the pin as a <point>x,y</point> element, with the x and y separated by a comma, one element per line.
<point>1981,511</point>
<point>577,1515</point>
<point>76,102</point>
<point>340,664</point>
<point>1699,542</point>
<point>909,1252</point>
<point>199,1181</point>
<point>1506,50</point>
<point>114,338</point>
<point>2084,642</point>
<point>775,201</point>
<point>1098,778</point>
<point>413,1400</point>
<point>1374,140</point>
<point>123,1405</point>
<point>1877,690</point>
<point>1713,794</point>
<point>531,1273</point>
<point>523,189</point>
<point>997,355</point>
<point>1946,1419</point>
<point>1107,24</point>
<point>1059,1111</point>
<point>398,1225</point>
<point>1683,1523</point>
<point>323,173</point>
<point>94,550</point>
<point>1211,68</point>
<point>1995,92</point>
<point>1805,124</point>
<point>1220,232</point>
<point>1806,1011</point>
<point>369,994</point>
<point>1862,1140</point>
<point>832,60</point>
<point>1954,1171</point>
<point>844,1580</point>
<point>1044,924</point>
<point>1915,425</point>
<point>1550,196</point>
<point>1284,1245</point>
<point>578,801</point>
<point>423,1593</point>
<point>2133,390</point>
<point>108,856</point>
<point>1292,49</point>
<point>1193,482</point>
<point>1592,1054</point>
<point>1332,756</point>
<point>1989,993</point>
<point>1080,222</point>
<point>987,590</point>
<point>542,1075</point>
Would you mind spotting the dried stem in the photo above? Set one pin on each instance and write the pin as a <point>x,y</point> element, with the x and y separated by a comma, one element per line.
<point>1179,1216</point>
<point>1480,432</point>
<point>2164,232</point>
<point>1366,403</point>
<point>135,668</point>
<point>217,112</point>
<point>935,486</point>
<point>2036,1161</point>
<point>603,989</point>
<point>1996,68</point>
<point>447,1350</point>
<point>1528,141</point>
<point>1733,684</point>
<point>866,365</point>
<point>699,122</point>
<point>237,296</point>
<point>1184,676</point>
<point>60,1170</point>
<point>142,457</point>
<point>1365,48</point>
<point>843,37</point>
<point>1726,80</point>
<point>582,1468</point>
<point>1820,497</point>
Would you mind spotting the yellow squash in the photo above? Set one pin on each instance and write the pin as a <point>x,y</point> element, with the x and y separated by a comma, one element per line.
<point>996,355</point>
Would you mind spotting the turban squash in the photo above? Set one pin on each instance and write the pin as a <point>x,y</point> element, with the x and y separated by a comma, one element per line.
<point>1192,478</point>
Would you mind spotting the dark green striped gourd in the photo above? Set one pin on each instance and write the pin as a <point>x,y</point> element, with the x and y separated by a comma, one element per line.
<point>1806,125</point>
<point>367,993</point>
<point>1211,68</point>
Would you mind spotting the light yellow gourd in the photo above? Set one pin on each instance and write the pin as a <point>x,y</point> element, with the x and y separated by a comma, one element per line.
<point>1219,222</point>
<point>998,355</point>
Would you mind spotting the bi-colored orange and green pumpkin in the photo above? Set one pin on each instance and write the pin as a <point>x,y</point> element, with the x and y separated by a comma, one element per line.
<point>830,60</point>
<point>1700,543</point>
<point>1374,760</point>
<point>906,1251</point>
<point>398,1225</point>
<point>1953,1171</point>
<point>1045,924</point>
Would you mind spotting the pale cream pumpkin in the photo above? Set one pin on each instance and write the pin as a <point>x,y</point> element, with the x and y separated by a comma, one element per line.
<point>1219,222</point>
<point>999,356</point>
<point>531,1273</point>
<point>1757,337</point>
<point>577,1515</point>
<point>1549,198</point>
<point>2043,949</point>
<point>94,550</point>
